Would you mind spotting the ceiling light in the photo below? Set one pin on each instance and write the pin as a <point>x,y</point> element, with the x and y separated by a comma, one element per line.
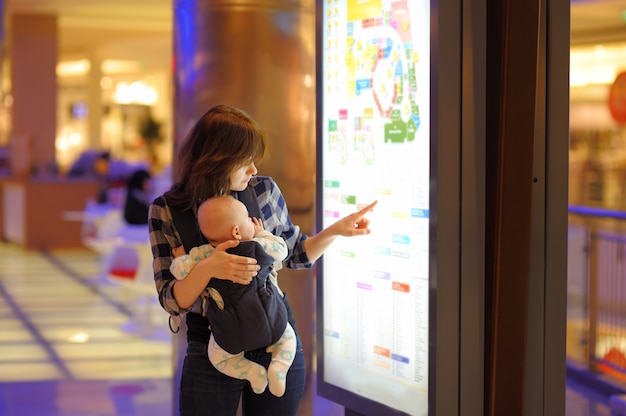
<point>119,66</point>
<point>72,68</point>
<point>135,93</point>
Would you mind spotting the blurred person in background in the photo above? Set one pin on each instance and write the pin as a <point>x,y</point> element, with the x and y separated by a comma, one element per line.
<point>138,197</point>
<point>94,165</point>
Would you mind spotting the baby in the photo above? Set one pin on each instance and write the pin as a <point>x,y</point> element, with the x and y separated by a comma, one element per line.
<point>243,317</point>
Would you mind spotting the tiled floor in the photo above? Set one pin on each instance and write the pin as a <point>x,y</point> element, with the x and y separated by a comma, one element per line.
<point>580,400</point>
<point>71,344</point>
<point>68,343</point>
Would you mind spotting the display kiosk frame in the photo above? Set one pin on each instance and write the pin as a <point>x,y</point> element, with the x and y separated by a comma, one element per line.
<point>448,96</point>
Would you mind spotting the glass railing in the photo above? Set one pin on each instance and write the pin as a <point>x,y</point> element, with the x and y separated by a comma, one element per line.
<point>596,290</point>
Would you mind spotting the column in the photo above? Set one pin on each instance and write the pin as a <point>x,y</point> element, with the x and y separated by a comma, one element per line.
<point>258,56</point>
<point>33,57</point>
<point>94,103</point>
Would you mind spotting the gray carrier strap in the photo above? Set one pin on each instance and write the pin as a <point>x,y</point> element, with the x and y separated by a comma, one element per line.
<point>187,226</point>
<point>249,199</point>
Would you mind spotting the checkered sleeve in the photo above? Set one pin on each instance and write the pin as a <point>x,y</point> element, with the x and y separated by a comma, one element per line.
<point>276,220</point>
<point>164,237</point>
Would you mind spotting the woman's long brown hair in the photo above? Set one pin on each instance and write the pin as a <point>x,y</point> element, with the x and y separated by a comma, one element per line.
<point>223,139</point>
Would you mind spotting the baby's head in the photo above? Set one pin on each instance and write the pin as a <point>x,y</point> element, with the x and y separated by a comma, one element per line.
<point>223,218</point>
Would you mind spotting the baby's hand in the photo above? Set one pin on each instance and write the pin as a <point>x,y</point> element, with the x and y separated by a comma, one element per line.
<point>258,225</point>
<point>178,251</point>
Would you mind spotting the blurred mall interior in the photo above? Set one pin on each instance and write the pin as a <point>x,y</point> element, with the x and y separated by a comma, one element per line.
<point>77,335</point>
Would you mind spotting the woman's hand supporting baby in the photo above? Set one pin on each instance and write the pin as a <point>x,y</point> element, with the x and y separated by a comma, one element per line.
<point>219,264</point>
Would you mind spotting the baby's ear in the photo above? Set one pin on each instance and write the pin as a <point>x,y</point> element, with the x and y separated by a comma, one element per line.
<point>235,232</point>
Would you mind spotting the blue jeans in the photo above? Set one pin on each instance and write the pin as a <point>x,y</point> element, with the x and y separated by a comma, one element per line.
<point>205,391</point>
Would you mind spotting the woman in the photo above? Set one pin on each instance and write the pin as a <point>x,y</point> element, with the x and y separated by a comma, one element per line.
<point>218,158</point>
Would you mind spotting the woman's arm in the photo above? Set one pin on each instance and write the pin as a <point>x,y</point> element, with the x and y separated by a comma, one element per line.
<point>302,253</point>
<point>352,225</point>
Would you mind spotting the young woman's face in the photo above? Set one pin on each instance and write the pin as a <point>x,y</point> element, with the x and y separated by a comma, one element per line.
<point>240,176</point>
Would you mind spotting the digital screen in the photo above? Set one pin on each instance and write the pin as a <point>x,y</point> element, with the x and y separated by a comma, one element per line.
<point>374,144</point>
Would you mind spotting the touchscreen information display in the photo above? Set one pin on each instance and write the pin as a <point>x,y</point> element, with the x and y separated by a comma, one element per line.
<point>375,89</point>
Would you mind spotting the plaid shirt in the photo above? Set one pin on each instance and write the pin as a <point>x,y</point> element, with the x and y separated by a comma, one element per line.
<point>164,237</point>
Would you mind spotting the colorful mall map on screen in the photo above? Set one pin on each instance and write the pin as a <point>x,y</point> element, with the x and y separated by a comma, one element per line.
<point>376,146</point>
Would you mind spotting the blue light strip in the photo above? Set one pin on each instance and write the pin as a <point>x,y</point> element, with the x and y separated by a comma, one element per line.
<point>596,212</point>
